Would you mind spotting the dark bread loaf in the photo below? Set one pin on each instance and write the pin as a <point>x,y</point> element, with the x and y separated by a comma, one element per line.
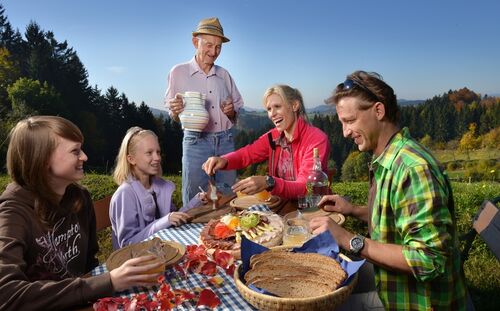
<point>295,275</point>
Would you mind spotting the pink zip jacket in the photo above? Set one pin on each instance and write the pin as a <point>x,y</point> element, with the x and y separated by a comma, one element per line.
<point>305,138</point>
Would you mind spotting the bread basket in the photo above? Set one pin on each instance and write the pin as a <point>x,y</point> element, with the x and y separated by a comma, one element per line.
<point>328,301</point>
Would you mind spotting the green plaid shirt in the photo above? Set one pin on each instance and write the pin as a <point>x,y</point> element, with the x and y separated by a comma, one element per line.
<point>413,207</point>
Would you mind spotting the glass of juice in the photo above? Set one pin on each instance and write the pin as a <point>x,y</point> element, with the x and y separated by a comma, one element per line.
<point>296,229</point>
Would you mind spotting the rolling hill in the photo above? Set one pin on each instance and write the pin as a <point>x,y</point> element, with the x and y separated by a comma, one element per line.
<point>256,119</point>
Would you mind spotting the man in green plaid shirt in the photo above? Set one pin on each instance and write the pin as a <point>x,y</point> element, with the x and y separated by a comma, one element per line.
<point>410,214</point>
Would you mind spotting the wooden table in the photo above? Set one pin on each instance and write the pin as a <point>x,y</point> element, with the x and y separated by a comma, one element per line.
<point>286,207</point>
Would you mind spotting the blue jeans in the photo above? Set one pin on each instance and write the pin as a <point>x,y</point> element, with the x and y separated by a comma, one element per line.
<point>196,149</point>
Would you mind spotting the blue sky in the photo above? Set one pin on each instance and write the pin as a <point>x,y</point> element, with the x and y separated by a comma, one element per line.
<point>421,48</point>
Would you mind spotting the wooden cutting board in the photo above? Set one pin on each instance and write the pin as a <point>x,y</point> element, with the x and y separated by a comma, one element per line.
<point>247,201</point>
<point>206,212</point>
<point>337,217</point>
<point>118,257</point>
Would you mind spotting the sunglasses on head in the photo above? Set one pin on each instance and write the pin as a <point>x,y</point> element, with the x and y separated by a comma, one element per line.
<point>348,84</point>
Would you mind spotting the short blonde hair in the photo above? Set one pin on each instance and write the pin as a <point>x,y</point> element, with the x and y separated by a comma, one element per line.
<point>289,95</point>
<point>31,144</point>
<point>129,144</point>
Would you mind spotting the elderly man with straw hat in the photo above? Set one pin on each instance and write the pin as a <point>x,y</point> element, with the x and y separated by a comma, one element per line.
<point>222,101</point>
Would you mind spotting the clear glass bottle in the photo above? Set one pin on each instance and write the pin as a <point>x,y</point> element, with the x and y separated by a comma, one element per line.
<point>317,180</point>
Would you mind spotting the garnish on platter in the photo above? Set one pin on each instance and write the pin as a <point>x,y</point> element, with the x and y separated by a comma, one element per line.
<point>226,232</point>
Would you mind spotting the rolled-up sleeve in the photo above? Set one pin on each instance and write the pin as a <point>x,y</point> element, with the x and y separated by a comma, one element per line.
<point>424,222</point>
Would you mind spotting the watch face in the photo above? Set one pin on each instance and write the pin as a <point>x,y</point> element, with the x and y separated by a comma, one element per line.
<point>357,243</point>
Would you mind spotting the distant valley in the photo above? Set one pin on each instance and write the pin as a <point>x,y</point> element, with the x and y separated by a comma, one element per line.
<point>256,119</point>
<point>322,109</point>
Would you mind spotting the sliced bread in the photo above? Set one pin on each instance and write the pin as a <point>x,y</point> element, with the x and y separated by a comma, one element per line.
<point>292,288</point>
<point>268,269</point>
<point>283,273</point>
<point>313,260</point>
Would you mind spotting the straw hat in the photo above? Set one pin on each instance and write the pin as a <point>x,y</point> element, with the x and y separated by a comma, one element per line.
<point>210,26</point>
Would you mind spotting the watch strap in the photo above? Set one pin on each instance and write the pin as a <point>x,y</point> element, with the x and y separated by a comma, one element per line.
<point>270,182</point>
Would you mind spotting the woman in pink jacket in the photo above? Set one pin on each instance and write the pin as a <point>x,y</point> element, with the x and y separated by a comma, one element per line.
<point>288,147</point>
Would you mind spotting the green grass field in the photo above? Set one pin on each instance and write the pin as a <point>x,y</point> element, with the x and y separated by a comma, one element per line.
<point>445,156</point>
<point>482,269</point>
<point>482,164</point>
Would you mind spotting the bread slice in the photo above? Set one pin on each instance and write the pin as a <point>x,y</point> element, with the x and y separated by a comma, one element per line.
<point>313,260</point>
<point>271,270</point>
<point>292,287</point>
<point>324,275</point>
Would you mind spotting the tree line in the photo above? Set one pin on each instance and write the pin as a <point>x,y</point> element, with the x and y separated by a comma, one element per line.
<point>40,75</point>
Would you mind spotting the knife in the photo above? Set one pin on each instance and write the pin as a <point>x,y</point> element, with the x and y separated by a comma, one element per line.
<point>213,191</point>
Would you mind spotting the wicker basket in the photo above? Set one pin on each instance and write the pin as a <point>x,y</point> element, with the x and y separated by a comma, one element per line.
<point>328,301</point>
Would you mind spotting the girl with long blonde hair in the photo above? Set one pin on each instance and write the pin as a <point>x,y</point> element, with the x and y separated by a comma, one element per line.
<point>142,204</point>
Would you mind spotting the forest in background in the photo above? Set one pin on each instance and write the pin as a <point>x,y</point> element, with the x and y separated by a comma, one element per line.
<point>40,75</point>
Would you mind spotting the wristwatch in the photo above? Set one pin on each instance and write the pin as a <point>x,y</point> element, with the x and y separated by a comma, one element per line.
<point>356,244</point>
<point>269,182</point>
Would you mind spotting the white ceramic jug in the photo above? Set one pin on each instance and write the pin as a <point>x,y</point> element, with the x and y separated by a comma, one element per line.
<point>195,116</point>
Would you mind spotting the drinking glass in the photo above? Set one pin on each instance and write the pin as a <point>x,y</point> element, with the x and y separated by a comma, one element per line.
<point>314,201</point>
<point>297,230</point>
<point>302,202</point>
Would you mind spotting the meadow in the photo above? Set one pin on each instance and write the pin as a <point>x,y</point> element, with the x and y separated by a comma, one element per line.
<point>482,269</point>
<point>450,155</point>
